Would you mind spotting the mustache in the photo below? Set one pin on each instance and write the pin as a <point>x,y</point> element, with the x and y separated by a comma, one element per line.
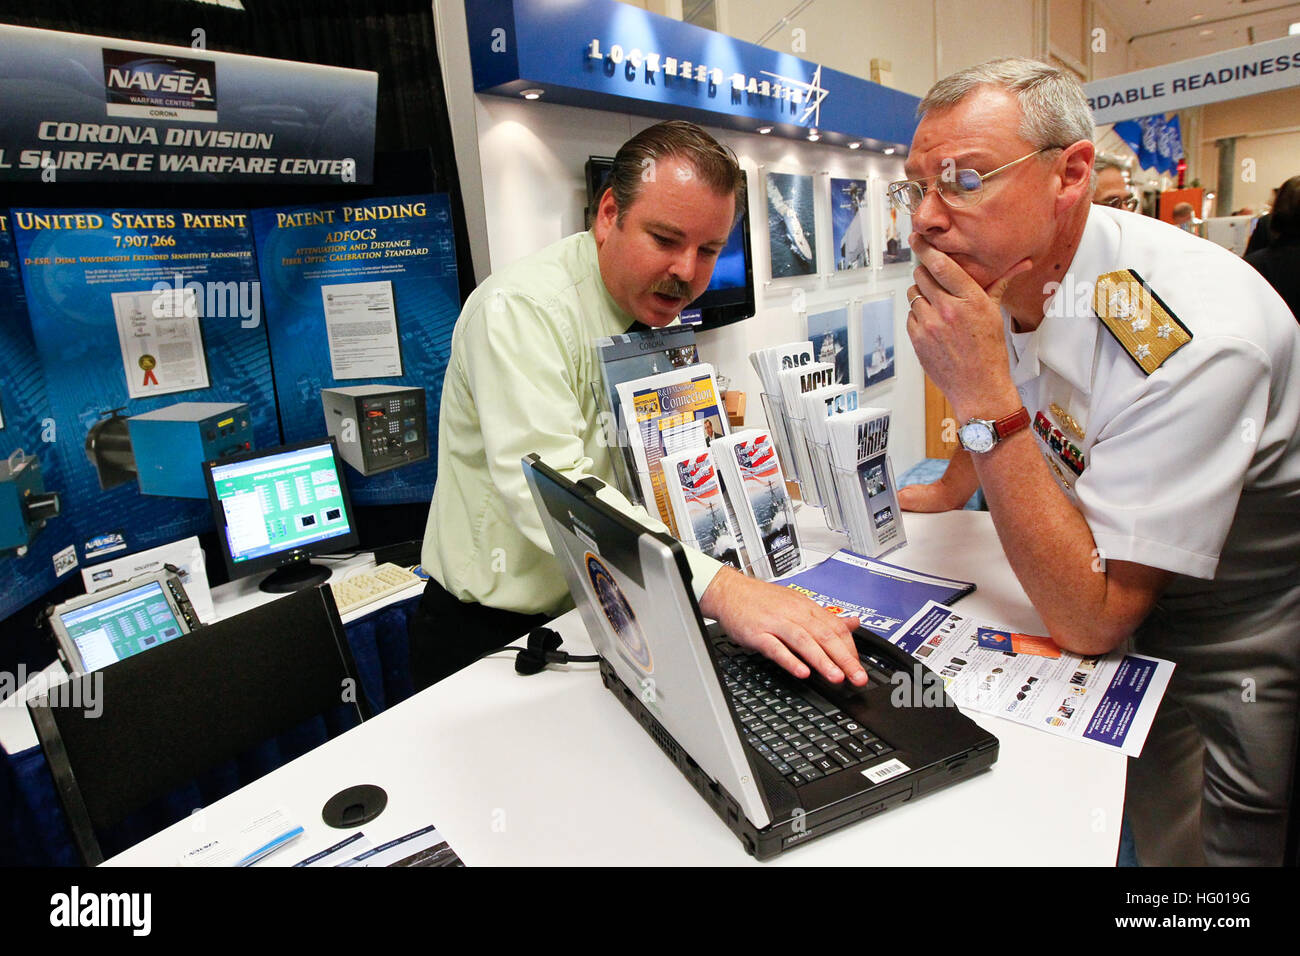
<point>672,287</point>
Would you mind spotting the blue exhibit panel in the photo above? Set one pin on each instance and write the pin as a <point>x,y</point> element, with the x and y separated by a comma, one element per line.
<point>403,246</point>
<point>74,264</point>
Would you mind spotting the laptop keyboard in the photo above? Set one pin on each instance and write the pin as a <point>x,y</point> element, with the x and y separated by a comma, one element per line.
<point>799,732</point>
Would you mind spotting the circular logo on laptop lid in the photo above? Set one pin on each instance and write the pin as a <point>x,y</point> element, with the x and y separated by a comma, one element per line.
<point>622,620</point>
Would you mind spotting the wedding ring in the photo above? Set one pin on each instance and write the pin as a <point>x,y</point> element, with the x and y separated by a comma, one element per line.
<point>913,299</point>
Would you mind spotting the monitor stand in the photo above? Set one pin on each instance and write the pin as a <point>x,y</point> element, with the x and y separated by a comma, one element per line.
<point>294,577</point>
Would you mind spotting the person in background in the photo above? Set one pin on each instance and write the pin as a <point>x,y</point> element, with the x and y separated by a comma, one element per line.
<point>1260,237</point>
<point>1112,188</point>
<point>1184,216</point>
<point>1279,261</point>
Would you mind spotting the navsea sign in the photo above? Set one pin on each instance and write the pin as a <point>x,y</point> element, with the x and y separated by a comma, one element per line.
<point>1260,68</point>
<point>82,108</point>
<point>602,54</point>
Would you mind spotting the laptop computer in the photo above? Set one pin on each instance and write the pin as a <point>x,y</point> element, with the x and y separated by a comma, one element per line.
<point>781,761</point>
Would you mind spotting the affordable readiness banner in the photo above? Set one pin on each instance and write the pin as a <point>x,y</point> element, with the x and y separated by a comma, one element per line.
<point>356,294</point>
<point>134,311</point>
<point>25,423</point>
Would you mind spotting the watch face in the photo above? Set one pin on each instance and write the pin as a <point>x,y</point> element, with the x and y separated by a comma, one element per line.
<point>976,436</point>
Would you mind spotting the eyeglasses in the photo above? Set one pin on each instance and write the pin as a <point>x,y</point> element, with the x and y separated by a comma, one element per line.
<point>958,188</point>
<point>1121,202</point>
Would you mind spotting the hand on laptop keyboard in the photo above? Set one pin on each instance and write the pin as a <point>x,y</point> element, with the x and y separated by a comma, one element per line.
<point>785,626</point>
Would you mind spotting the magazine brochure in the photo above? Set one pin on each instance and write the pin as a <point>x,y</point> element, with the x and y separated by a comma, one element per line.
<point>794,382</point>
<point>864,478</point>
<point>1106,701</point>
<point>670,412</point>
<point>633,355</point>
<point>768,363</point>
<point>705,518</point>
<point>752,479</point>
<point>881,596</point>
<point>818,406</point>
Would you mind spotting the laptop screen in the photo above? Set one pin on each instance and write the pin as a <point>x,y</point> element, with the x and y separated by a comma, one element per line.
<point>121,625</point>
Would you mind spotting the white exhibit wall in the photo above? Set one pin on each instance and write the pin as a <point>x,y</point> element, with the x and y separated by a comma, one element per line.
<point>532,157</point>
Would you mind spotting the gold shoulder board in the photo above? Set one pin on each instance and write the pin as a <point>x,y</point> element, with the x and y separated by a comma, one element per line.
<point>1136,316</point>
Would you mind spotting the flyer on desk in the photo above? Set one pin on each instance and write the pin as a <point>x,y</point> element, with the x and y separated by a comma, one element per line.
<point>881,596</point>
<point>1108,701</point>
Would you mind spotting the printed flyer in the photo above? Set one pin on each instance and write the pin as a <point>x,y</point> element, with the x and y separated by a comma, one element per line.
<point>1107,701</point>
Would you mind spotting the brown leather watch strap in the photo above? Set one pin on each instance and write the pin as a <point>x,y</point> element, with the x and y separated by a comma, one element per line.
<point>1012,423</point>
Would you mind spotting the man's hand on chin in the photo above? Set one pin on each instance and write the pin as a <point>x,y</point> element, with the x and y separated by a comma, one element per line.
<point>957,331</point>
<point>784,626</point>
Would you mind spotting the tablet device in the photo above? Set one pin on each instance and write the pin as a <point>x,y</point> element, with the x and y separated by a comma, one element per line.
<point>102,628</point>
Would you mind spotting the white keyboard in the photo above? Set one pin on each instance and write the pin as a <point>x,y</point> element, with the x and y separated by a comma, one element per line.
<point>371,585</point>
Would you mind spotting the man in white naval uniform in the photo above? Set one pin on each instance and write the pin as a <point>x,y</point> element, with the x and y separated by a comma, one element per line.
<point>1131,417</point>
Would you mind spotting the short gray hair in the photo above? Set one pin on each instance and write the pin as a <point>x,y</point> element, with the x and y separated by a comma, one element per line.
<point>1054,109</point>
<point>1102,162</point>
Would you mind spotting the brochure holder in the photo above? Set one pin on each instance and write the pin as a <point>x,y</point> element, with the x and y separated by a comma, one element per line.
<point>875,522</point>
<point>620,454</point>
<point>809,487</point>
<point>833,509</point>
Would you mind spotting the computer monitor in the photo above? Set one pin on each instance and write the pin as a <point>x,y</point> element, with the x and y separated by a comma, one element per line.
<point>730,295</point>
<point>276,508</point>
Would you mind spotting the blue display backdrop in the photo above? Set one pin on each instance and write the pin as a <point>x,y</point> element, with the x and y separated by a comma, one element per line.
<point>393,256</point>
<point>137,311</point>
<point>608,55</point>
<point>84,108</point>
<point>27,425</point>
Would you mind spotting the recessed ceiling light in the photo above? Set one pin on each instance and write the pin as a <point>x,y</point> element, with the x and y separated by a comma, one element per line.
<point>813,136</point>
<point>855,145</point>
<point>532,94</point>
<point>1293,29</point>
<point>764,130</point>
<point>1197,17</point>
<point>890,151</point>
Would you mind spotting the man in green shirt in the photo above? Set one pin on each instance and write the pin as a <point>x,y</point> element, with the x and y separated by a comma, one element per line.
<point>520,381</point>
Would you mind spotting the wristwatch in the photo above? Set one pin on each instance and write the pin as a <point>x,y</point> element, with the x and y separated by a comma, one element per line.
<point>980,434</point>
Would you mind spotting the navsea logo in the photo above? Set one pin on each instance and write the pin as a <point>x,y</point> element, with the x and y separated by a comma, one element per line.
<point>145,86</point>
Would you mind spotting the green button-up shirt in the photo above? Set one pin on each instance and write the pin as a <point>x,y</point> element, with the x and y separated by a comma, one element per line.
<point>519,381</point>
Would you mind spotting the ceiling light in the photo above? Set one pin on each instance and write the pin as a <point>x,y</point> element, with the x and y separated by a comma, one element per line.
<point>1207,32</point>
<point>764,130</point>
<point>813,136</point>
<point>890,151</point>
<point>1197,17</point>
<point>532,94</point>
<point>1293,29</point>
<point>855,145</point>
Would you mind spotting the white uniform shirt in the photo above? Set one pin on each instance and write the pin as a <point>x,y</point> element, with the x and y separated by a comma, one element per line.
<point>1194,468</point>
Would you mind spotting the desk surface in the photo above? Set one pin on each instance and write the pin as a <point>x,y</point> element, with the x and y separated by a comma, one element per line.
<point>550,769</point>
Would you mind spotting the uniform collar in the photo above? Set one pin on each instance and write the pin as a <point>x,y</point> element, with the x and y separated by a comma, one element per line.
<point>1067,339</point>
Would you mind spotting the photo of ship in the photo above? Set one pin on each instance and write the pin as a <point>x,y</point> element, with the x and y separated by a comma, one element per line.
<point>850,224</point>
<point>791,225</point>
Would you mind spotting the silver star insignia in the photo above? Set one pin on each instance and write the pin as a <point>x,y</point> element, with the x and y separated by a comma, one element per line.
<point>1139,323</point>
<point>1164,331</point>
<point>1143,351</point>
<point>1121,306</point>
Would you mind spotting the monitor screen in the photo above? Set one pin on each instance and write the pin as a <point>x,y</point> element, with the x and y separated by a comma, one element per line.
<point>121,625</point>
<point>730,294</point>
<point>275,508</point>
